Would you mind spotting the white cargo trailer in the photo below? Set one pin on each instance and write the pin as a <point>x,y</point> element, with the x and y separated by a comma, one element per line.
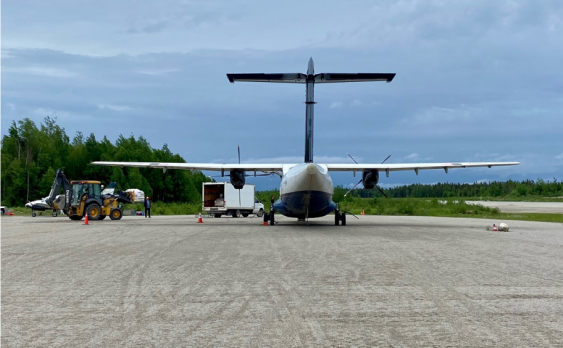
<point>221,198</point>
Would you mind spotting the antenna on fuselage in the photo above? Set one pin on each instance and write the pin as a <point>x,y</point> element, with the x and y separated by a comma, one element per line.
<point>309,80</point>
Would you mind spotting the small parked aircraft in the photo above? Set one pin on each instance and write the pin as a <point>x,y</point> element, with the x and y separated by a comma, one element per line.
<point>306,189</point>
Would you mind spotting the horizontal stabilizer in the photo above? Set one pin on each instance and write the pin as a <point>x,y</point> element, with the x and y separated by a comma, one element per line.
<point>276,78</point>
<point>360,77</point>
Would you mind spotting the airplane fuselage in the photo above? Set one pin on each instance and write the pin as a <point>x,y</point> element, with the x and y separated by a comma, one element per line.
<point>306,191</point>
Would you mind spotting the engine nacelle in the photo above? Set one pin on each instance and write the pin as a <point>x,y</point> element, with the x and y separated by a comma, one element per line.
<point>238,178</point>
<point>370,178</point>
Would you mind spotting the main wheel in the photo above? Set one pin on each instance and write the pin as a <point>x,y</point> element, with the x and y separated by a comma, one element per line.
<point>336,218</point>
<point>343,219</point>
<point>94,211</point>
<point>33,214</point>
<point>245,215</point>
<point>115,214</point>
<point>272,220</point>
<point>260,213</point>
<point>75,217</point>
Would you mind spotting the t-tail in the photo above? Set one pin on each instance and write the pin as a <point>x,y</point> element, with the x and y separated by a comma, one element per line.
<point>309,80</point>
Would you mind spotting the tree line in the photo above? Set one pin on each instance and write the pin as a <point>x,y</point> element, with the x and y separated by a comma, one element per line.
<point>513,188</point>
<point>31,155</point>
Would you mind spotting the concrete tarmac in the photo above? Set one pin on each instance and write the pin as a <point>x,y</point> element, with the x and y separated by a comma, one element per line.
<point>379,282</point>
<point>523,207</point>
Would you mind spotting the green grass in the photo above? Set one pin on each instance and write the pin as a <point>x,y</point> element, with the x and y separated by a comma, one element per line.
<point>160,208</point>
<point>371,206</point>
<point>433,207</point>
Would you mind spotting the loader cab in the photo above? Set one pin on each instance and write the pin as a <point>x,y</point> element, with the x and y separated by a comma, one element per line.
<point>92,190</point>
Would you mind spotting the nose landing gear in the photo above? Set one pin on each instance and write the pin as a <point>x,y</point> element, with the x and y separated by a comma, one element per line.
<point>339,217</point>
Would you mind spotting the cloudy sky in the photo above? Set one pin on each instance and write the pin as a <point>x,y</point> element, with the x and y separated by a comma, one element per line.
<point>477,80</point>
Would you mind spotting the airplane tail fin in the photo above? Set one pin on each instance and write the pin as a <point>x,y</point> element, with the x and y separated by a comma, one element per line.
<point>310,78</point>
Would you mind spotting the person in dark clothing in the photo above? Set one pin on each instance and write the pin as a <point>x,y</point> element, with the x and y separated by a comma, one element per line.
<point>272,200</point>
<point>147,207</point>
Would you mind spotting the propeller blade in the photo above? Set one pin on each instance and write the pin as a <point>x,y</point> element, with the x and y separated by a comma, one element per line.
<point>385,159</point>
<point>352,158</point>
<point>380,190</point>
<point>238,146</point>
<point>353,188</point>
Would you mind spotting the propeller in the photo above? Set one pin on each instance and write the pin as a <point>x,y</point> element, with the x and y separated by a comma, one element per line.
<point>379,188</point>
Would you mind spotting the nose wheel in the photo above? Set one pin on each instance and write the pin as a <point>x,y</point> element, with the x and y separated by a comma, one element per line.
<point>339,218</point>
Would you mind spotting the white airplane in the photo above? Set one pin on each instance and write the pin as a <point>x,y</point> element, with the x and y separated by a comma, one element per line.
<point>306,189</point>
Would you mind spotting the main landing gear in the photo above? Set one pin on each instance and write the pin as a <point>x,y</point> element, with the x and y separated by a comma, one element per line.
<point>269,218</point>
<point>339,217</point>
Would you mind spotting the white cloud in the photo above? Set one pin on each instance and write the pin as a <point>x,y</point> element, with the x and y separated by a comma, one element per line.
<point>43,71</point>
<point>413,155</point>
<point>61,115</point>
<point>158,72</point>
<point>356,102</point>
<point>442,115</point>
<point>560,156</point>
<point>115,107</point>
<point>336,105</point>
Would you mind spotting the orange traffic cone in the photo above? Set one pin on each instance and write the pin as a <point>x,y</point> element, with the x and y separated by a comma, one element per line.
<point>363,212</point>
<point>86,220</point>
<point>200,219</point>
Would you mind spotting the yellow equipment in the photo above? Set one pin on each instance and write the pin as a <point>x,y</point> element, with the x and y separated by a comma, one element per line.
<point>87,197</point>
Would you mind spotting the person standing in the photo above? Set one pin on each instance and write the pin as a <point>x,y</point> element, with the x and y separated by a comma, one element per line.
<point>272,200</point>
<point>147,207</point>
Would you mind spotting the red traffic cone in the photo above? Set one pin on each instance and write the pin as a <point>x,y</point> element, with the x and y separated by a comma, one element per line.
<point>86,220</point>
<point>200,219</point>
<point>265,223</point>
<point>363,212</point>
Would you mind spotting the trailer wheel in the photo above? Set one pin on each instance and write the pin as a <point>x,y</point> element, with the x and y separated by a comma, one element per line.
<point>236,213</point>
<point>260,213</point>
<point>245,215</point>
<point>115,214</point>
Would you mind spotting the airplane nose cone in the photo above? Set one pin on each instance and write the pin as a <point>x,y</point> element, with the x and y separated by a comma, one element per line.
<point>311,169</point>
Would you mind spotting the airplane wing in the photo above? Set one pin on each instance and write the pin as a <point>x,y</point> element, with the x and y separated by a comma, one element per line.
<point>279,78</point>
<point>360,77</point>
<point>196,166</point>
<point>413,166</point>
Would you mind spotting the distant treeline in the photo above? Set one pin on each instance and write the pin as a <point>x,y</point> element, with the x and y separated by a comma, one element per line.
<point>31,155</point>
<point>446,190</point>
